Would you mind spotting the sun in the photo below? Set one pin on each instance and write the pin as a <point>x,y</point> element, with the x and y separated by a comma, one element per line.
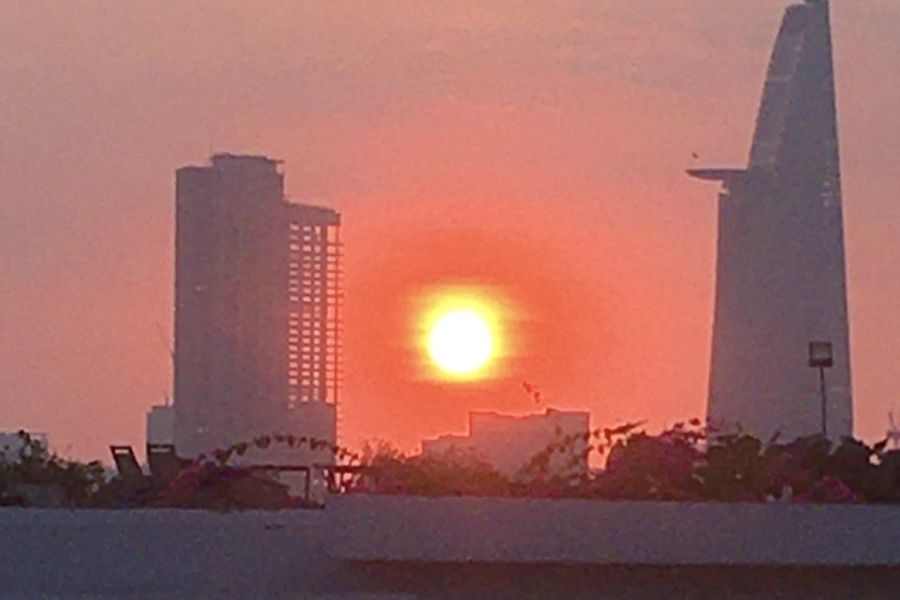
<point>460,342</point>
<point>464,333</point>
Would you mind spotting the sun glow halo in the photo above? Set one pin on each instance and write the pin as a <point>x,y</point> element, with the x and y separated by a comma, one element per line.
<point>460,342</point>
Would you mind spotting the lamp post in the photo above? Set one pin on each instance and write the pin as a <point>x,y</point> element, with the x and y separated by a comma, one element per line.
<point>821,356</point>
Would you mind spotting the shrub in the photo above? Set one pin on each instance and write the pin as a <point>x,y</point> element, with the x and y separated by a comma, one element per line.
<point>452,474</point>
<point>214,483</point>
<point>687,462</point>
<point>61,481</point>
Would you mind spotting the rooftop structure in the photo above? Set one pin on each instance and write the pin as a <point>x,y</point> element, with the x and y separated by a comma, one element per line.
<point>780,276</point>
<point>257,297</point>
<point>161,424</point>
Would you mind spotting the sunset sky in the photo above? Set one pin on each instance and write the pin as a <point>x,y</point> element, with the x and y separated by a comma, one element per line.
<point>533,148</point>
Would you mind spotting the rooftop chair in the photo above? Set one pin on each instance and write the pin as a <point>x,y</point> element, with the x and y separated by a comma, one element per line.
<point>133,478</point>
<point>165,465</point>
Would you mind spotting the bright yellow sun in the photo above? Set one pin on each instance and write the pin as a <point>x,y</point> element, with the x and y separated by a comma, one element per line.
<point>462,332</point>
<point>460,342</point>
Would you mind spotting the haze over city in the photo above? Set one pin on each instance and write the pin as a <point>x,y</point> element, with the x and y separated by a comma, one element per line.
<point>532,149</point>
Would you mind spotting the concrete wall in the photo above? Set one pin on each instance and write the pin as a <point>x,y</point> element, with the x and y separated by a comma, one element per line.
<point>197,554</point>
<point>161,552</point>
<point>393,528</point>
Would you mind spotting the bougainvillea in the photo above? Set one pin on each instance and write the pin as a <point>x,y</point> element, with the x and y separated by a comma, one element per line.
<point>687,462</point>
<point>213,482</point>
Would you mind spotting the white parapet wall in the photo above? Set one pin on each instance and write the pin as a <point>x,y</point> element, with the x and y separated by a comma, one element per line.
<point>549,531</point>
<point>448,549</point>
<point>160,553</point>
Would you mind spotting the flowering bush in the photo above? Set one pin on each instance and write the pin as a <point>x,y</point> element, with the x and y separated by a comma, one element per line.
<point>212,486</point>
<point>645,467</point>
<point>211,482</point>
<point>685,463</point>
<point>453,474</point>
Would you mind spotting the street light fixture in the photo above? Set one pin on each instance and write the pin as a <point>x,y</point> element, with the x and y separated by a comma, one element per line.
<point>821,356</point>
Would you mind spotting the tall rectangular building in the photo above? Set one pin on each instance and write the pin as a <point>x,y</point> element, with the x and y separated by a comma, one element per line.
<point>256,307</point>
<point>780,278</point>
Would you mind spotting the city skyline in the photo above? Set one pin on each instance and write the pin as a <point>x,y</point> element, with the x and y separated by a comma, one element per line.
<point>535,148</point>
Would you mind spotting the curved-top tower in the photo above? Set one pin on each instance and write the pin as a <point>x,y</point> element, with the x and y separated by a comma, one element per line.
<point>780,274</point>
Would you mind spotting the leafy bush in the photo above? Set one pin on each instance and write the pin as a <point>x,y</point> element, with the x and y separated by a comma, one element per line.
<point>213,486</point>
<point>214,483</point>
<point>64,482</point>
<point>452,474</point>
<point>685,463</point>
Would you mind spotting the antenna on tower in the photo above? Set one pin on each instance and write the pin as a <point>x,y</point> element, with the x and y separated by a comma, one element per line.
<point>893,432</point>
<point>165,341</point>
<point>171,351</point>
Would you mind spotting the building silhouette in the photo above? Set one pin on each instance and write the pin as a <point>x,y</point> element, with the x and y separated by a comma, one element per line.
<point>12,443</point>
<point>257,297</point>
<point>508,443</point>
<point>160,424</point>
<point>780,277</point>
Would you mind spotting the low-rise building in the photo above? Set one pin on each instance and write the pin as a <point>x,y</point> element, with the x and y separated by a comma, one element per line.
<point>508,443</point>
<point>11,443</point>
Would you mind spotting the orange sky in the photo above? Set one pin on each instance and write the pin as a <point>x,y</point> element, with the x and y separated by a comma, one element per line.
<point>533,145</point>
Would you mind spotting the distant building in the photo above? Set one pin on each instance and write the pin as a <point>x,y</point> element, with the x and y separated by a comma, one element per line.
<point>11,443</point>
<point>780,275</point>
<point>161,424</point>
<point>257,300</point>
<point>508,443</point>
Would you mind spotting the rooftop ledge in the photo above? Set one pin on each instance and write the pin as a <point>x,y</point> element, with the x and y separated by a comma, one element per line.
<point>548,531</point>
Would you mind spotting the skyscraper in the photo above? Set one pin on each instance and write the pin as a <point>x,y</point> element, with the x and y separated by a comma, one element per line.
<point>256,307</point>
<point>780,277</point>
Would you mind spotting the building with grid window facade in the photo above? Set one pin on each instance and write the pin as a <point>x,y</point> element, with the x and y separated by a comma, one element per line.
<point>257,301</point>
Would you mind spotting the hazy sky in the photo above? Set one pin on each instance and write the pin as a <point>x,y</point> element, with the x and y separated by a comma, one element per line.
<point>534,145</point>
